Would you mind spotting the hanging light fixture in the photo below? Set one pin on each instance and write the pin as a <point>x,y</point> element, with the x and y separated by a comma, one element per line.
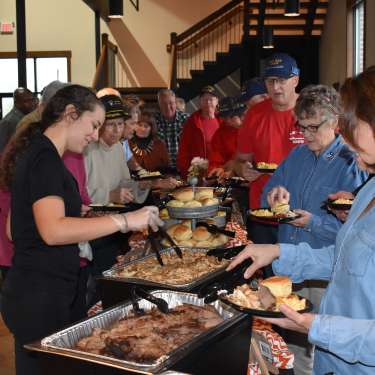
<point>291,8</point>
<point>267,37</point>
<point>116,9</point>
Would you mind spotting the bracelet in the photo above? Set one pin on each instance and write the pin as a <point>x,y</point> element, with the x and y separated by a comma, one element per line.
<point>121,222</point>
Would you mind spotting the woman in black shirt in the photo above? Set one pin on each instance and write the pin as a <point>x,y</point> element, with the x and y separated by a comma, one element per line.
<point>45,219</point>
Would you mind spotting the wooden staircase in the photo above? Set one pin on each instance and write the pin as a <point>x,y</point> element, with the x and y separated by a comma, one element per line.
<point>230,39</point>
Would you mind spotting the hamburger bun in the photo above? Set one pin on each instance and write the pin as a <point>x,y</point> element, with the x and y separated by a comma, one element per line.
<point>182,233</point>
<point>280,286</point>
<point>192,204</point>
<point>175,203</point>
<point>209,201</point>
<point>184,195</point>
<point>201,234</point>
<point>204,193</point>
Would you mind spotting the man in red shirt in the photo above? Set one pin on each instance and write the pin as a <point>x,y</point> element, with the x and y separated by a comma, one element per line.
<point>224,141</point>
<point>268,133</point>
<point>198,130</point>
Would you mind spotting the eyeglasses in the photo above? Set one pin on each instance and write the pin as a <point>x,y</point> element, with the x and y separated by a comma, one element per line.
<point>310,128</point>
<point>279,81</point>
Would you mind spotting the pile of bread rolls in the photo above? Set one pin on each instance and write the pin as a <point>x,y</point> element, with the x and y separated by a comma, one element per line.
<point>186,198</point>
<point>200,237</point>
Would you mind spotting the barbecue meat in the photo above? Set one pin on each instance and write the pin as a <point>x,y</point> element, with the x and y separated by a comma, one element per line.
<point>144,339</point>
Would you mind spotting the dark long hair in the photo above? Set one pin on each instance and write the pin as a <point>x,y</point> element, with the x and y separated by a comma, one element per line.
<point>82,98</point>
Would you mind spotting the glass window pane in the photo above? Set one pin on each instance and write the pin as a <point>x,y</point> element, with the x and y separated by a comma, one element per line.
<point>30,74</point>
<point>359,38</point>
<point>50,69</point>
<point>7,105</point>
<point>8,75</point>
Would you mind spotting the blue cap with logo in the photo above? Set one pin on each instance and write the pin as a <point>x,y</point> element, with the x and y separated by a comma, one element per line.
<point>252,87</point>
<point>281,65</point>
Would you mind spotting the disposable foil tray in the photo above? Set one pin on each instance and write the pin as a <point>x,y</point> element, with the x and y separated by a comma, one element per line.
<point>113,273</point>
<point>64,342</point>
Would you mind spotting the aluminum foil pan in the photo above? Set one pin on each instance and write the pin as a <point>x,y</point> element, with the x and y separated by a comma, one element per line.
<point>64,342</point>
<point>112,274</point>
<point>193,213</point>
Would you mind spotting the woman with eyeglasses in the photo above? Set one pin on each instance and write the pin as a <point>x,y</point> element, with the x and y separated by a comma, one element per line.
<point>324,164</point>
<point>109,181</point>
<point>343,330</point>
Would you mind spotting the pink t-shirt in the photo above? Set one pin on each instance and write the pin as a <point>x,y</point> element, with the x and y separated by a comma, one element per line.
<point>75,163</point>
<point>6,246</point>
<point>209,127</point>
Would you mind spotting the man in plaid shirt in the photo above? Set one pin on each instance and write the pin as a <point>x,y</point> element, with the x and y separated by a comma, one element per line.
<point>169,122</point>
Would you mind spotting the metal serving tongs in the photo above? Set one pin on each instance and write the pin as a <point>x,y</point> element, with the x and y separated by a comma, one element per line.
<point>175,247</point>
<point>226,253</point>
<point>215,229</point>
<point>160,303</point>
<point>228,283</point>
<point>155,246</point>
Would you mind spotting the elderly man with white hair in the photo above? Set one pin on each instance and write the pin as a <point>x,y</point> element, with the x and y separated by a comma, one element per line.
<point>169,122</point>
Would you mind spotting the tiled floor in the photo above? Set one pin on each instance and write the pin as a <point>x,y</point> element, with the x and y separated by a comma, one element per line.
<point>6,351</point>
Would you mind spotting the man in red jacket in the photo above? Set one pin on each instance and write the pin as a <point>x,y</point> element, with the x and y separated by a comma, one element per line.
<point>198,131</point>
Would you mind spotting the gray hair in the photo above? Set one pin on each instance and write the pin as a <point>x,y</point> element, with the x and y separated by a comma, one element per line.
<point>51,89</point>
<point>318,99</point>
<point>165,92</point>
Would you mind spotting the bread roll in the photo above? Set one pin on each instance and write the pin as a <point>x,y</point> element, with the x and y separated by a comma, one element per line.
<point>182,233</point>
<point>165,242</point>
<point>203,244</point>
<point>187,243</point>
<point>175,203</point>
<point>171,229</point>
<point>187,223</point>
<point>204,193</point>
<point>280,208</point>
<point>163,214</point>
<point>192,204</point>
<point>184,195</point>
<point>201,234</point>
<point>280,286</point>
<point>222,239</point>
<point>209,201</point>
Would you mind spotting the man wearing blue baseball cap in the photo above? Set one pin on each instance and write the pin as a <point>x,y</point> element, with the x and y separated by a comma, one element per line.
<point>268,135</point>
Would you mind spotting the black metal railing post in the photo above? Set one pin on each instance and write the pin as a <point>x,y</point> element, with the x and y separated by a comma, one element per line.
<point>173,83</point>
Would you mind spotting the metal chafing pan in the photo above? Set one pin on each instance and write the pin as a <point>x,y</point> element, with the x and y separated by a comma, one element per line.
<point>63,343</point>
<point>112,274</point>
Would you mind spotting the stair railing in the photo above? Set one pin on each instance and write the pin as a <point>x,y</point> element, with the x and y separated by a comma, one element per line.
<point>201,42</point>
<point>112,69</point>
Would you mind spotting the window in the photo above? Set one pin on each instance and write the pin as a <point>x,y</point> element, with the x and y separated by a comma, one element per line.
<point>41,69</point>
<point>358,36</point>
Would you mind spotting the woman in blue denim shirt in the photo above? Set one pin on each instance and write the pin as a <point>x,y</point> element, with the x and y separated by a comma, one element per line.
<point>324,164</point>
<point>344,329</point>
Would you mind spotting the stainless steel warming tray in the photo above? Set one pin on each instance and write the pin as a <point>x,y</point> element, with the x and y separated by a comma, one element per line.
<point>112,274</point>
<point>63,343</point>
